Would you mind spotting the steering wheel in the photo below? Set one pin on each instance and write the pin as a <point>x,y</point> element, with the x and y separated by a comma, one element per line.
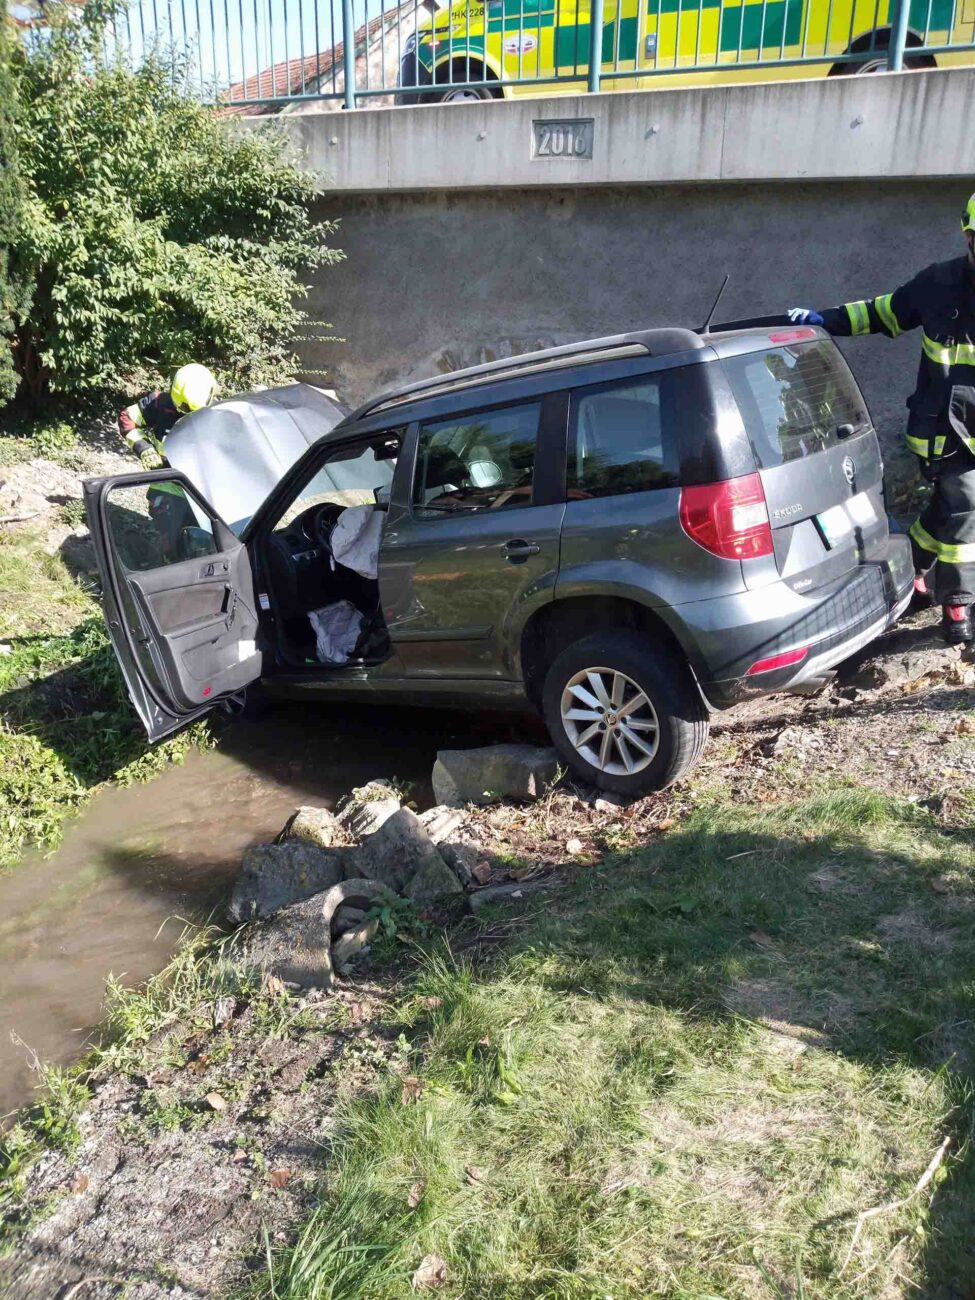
<point>322,524</point>
<point>298,558</point>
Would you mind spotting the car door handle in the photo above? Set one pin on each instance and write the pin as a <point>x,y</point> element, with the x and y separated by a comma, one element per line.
<point>518,550</point>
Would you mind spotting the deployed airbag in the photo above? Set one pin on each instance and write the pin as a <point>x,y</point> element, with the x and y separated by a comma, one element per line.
<point>337,629</point>
<point>356,537</point>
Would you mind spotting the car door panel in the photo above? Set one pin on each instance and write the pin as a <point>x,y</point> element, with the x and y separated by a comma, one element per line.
<point>201,628</point>
<point>453,588</point>
<point>457,588</point>
<point>184,630</point>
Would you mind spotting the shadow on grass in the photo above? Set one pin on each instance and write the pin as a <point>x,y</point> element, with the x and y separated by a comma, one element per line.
<point>855,936</point>
<point>70,695</point>
<point>842,927</point>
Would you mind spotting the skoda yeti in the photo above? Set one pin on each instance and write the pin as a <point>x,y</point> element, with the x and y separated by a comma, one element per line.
<point>626,534</point>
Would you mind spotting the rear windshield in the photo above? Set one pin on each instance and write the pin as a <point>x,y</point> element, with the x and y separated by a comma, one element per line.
<point>793,399</point>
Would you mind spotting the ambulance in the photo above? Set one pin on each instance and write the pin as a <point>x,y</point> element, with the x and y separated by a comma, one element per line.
<point>492,49</point>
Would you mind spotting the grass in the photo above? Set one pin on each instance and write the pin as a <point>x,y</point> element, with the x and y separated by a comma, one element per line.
<point>66,723</point>
<point>684,1078</point>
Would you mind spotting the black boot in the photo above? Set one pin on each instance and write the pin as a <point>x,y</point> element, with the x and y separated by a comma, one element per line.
<point>956,624</point>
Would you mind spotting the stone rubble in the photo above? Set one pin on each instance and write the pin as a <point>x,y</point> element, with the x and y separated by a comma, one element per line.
<point>313,889</point>
<point>274,875</point>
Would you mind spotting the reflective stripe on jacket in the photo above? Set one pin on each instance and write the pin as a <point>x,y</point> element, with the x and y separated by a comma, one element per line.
<point>144,426</point>
<point>148,420</point>
<point>940,300</point>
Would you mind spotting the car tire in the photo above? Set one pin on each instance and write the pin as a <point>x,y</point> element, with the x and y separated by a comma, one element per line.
<point>672,722</point>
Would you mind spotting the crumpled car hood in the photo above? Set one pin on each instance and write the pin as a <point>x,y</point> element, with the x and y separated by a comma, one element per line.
<point>236,452</point>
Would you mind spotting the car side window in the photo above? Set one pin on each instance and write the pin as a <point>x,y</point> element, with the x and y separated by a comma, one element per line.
<point>156,524</point>
<point>483,460</point>
<point>618,440</point>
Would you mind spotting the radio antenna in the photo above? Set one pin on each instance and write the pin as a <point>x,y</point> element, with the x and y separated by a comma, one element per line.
<point>706,327</point>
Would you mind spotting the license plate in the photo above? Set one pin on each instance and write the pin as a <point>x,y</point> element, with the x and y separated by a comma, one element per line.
<point>838,525</point>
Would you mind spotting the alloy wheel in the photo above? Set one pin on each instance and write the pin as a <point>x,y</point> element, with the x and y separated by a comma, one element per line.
<point>461,96</point>
<point>610,721</point>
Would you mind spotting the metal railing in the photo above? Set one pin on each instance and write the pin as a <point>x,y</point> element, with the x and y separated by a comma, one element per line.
<point>281,55</point>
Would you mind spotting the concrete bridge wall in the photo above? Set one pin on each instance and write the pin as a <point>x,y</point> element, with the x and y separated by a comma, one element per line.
<point>462,247</point>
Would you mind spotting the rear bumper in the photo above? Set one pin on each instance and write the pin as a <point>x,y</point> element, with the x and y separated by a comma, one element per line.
<point>729,635</point>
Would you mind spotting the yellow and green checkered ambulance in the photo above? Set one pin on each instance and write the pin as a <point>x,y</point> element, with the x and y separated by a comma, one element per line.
<point>479,50</point>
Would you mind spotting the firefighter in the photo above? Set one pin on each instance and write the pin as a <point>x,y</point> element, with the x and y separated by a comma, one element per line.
<point>144,426</point>
<point>941,421</point>
<point>146,422</point>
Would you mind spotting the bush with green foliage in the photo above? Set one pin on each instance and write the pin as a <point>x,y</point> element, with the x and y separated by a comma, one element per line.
<point>10,195</point>
<point>155,230</point>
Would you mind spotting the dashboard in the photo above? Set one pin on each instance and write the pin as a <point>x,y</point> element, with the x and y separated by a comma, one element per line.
<point>299,558</point>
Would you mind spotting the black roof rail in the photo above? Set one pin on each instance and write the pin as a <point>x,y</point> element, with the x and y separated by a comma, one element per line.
<point>524,360</point>
<point>752,323</point>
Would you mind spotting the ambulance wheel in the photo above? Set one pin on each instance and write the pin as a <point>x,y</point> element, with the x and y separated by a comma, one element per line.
<point>455,91</point>
<point>874,46</point>
<point>462,95</point>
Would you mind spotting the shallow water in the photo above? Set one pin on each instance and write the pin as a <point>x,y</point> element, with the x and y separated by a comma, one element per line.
<point>138,859</point>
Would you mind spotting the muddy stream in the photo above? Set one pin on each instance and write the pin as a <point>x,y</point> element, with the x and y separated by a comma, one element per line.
<point>139,859</point>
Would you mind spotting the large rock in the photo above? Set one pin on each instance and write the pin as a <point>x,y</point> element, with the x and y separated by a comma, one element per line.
<point>482,776</point>
<point>315,826</point>
<point>441,823</point>
<point>366,809</point>
<point>297,944</point>
<point>400,850</point>
<point>904,668</point>
<point>273,876</point>
<point>434,881</point>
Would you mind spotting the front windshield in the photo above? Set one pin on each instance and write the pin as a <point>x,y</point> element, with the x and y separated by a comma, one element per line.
<point>354,480</point>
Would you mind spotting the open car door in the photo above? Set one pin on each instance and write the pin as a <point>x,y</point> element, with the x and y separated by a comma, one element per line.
<point>178,596</point>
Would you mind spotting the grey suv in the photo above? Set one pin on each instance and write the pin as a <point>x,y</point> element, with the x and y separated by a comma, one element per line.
<point>627,533</point>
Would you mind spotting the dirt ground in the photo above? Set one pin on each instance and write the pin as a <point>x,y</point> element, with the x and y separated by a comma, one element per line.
<point>39,495</point>
<point>184,1166</point>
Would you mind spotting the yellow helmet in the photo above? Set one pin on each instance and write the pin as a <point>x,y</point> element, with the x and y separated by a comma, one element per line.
<point>968,216</point>
<point>193,387</point>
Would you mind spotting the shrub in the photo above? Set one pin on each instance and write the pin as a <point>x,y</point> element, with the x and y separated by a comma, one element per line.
<point>155,230</point>
<point>10,195</point>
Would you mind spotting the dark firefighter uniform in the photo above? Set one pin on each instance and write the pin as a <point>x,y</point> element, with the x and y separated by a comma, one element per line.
<point>940,301</point>
<point>144,425</point>
<point>146,422</point>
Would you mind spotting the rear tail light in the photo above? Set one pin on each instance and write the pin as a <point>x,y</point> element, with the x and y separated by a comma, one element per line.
<point>784,660</point>
<point>729,519</point>
<point>792,336</point>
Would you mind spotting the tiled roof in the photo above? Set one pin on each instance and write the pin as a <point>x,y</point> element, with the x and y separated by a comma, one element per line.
<point>291,77</point>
